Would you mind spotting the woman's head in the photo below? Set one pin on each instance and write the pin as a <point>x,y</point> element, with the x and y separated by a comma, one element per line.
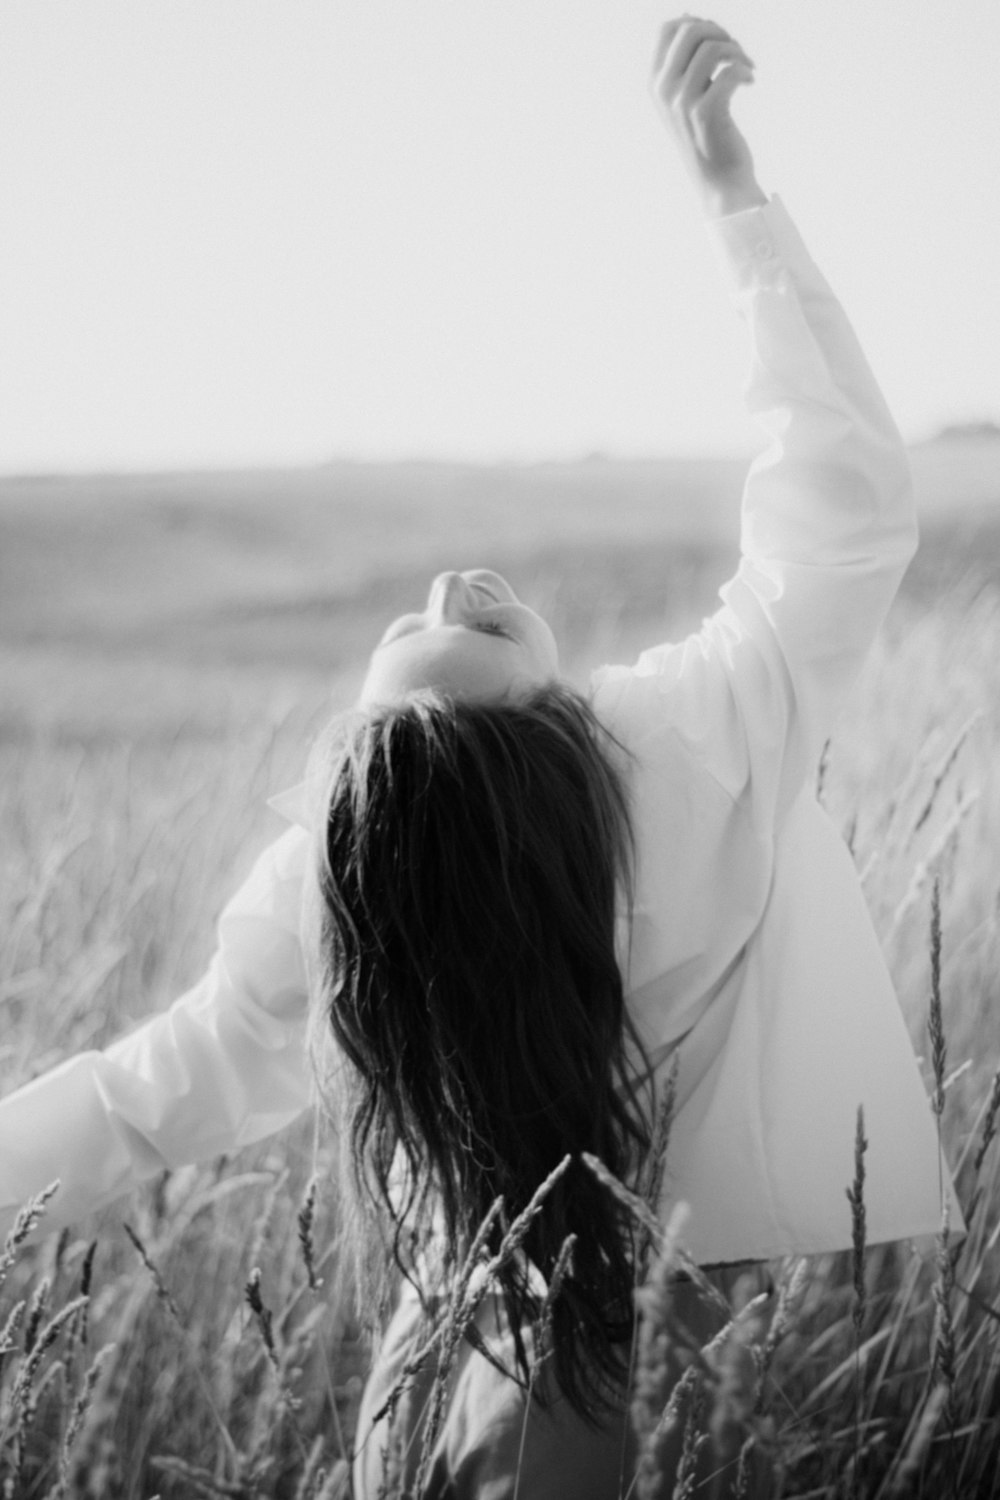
<point>470,870</point>
<point>473,640</point>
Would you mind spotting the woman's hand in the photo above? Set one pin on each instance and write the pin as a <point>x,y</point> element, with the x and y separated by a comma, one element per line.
<point>696,71</point>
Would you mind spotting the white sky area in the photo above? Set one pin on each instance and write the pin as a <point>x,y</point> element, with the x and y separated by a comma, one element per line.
<point>254,231</point>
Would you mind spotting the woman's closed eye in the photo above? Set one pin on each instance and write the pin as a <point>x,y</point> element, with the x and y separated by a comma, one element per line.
<point>405,625</point>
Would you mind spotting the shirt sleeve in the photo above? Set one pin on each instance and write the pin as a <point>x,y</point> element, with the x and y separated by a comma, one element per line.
<point>827,530</point>
<point>226,1065</point>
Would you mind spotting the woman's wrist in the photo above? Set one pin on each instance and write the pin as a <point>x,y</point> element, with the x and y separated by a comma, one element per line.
<point>720,198</point>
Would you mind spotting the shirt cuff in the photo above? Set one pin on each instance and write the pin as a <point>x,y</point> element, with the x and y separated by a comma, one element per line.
<point>755,245</point>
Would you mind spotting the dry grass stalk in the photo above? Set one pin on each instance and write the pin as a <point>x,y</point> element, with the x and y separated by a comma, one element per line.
<point>542,1332</point>
<point>306,1220</point>
<point>263,1315</point>
<point>650,1185</point>
<point>164,1296</point>
<point>30,1364</point>
<point>926,868</point>
<point>159,1285</point>
<point>474,1256</point>
<point>437,1400</point>
<point>904,1475</point>
<point>336,1485</point>
<point>412,1368</point>
<point>636,1205</point>
<point>313,1474</point>
<point>651,1225</point>
<point>472,1264</point>
<point>264,1219</point>
<point>23,1393</point>
<point>79,1411</point>
<point>515,1236</point>
<point>656,1371</point>
<point>856,1198</point>
<point>462,1312</point>
<point>695,1438</point>
<point>204,1481</point>
<point>8,1333</point>
<point>989,1123</point>
<point>79,1335</point>
<point>945,1359</point>
<point>935,1022</point>
<point>944,766</point>
<point>36,1313</point>
<point>741,1484</point>
<point>289,1403</point>
<point>541,1339</point>
<point>739,1330</point>
<point>392,1482</point>
<point>28,1219</point>
<point>735,1356</point>
<point>789,1291</point>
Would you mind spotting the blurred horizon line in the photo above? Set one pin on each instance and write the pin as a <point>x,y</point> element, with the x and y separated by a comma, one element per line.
<point>981,430</point>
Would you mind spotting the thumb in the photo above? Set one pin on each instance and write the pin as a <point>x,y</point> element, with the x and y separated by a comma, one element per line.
<point>716,98</point>
<point>716,135</point>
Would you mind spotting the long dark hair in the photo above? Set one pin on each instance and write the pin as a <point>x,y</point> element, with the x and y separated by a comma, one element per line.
<point>472,860</point>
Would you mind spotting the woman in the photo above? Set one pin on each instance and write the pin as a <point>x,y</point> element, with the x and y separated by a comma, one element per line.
<point>516,911</point>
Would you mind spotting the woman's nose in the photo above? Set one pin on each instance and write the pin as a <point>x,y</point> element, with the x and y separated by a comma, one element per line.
<point>451,598</point>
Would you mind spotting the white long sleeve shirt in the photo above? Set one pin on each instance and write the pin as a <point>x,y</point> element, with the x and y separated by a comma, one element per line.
<point>750,955</point>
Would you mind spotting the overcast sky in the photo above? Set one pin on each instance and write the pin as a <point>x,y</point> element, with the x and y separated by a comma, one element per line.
<point>272,231</point>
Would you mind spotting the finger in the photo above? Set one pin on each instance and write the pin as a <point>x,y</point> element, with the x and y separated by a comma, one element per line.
<point>667,33</point>
<point>715,99</point>
<point>685,43</point>
<point>710,57</point>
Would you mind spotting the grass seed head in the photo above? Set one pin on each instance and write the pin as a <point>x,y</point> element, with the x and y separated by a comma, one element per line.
<point>28,1219</point>
<point>160,1286</point>
<point>8,1333</point>
<point>657,1377</point>
<point>306,1221</point>
<point>935,1022</point>
<point>261,1312</point>
<point>856,1198</point>
<point>543,1324</point>
<point>989,1123</point>
<point>695,1438</point>
<point>37,1311</point>
<point>945,1343</point>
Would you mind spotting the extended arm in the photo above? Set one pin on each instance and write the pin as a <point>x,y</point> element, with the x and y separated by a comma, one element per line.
<point>828,524</point>
<point>224,1066</point>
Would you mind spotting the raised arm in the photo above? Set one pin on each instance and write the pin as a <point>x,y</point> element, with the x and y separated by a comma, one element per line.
<point>696,70</point>
<point>828,524</point>
<point>224,1066</point>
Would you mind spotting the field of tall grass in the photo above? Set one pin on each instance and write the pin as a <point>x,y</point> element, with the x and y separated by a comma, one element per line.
<point>183,1342</point>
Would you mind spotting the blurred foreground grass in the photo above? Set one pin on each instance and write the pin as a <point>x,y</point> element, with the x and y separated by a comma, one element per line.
<point>144,720</point>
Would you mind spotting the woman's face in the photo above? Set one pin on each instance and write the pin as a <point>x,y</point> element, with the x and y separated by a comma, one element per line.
<point>474,640</point>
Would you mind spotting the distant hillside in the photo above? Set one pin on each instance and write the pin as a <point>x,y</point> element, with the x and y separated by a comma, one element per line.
<point>129,604</point>
<point>103,556</point>
<point>124,552</point>
<point>959,432</point>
